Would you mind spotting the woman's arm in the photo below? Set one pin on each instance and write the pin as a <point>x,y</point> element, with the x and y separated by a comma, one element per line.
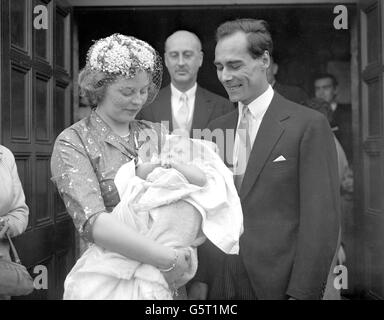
<point>17,217</point>
<point>80,190</point>
<point>113,235</point>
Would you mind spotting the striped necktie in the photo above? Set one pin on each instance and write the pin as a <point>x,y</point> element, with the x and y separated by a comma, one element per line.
<point>244,147</point>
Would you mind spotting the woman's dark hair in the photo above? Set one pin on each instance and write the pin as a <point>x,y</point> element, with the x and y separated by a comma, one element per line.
<point>257,31</point>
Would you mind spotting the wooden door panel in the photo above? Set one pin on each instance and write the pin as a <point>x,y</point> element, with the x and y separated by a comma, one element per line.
<point>35,107</point>
<point>43,188</point>
<point>372,16</point>
<point>41,37</point>
<point>42,110</point>
<point>19,24</point>
<point>374,257</point>
<point>374,110</point>
<point>62,95</point>
<point>20,102</point>
<point>372,140</point>
<point>62,43</point>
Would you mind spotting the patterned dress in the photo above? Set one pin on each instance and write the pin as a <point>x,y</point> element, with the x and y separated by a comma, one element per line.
<point>85,159</point>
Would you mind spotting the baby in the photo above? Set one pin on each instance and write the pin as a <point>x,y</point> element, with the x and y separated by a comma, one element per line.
<point>178,153</point>
<point>178,199</point>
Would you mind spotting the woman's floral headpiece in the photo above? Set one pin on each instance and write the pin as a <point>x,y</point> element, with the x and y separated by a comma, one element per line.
<point>122,55</point>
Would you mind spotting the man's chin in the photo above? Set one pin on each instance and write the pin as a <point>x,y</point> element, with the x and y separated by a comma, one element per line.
<point>183,78</point>
<point>233,97</point>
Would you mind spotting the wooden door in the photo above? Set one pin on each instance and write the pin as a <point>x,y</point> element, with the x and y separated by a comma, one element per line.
<point>36,104</point>
<point>371,180</point>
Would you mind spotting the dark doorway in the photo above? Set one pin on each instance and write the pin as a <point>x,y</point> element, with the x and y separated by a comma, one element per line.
<point>304,36</point>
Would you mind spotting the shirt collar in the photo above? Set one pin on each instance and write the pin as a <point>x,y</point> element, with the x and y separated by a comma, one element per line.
<point>190,93</point>
<point>260,105</point>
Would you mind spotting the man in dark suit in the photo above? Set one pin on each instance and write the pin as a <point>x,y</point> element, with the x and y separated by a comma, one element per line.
<point>289,191</point>
<point>326,87</point>
<point>184,104</point>
<point>293,93</point>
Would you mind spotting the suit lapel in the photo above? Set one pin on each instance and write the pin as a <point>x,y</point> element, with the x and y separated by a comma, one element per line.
<point>231,125</point>
<point>269,133</point>
<point>163,109</point>
<point>202,110</point>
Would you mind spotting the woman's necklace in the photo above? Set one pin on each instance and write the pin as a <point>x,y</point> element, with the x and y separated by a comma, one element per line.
<point>126,137</point>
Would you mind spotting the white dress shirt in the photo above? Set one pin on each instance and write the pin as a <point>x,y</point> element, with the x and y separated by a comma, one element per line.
<point>333,106</point>
<point>175,101</point>
<point>257,108</point>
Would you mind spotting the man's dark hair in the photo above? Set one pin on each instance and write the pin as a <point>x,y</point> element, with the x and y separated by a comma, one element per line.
<point>326,76</point>
<point>257,31</point>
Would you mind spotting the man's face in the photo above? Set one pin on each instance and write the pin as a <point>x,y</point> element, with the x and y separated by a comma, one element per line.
<point>325,89</point>
<point>243,77</point>
<point>183,58</point>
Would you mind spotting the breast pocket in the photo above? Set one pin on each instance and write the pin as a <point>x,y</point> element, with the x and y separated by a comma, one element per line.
<point>280,167</point>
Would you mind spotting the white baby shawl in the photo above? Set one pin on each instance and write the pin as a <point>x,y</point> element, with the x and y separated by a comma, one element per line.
<point>171,211</point>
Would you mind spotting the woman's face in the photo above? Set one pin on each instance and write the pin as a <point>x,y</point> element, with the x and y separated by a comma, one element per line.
<point>124,98</point>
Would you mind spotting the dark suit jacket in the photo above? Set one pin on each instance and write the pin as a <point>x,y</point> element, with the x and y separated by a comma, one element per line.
<point>293,93</point>
<point>290,208</point>
<point>208,106</point>
<point>342,119</point>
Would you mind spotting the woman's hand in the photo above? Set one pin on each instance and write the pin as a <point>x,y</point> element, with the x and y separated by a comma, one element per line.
<point>4,226</point>
<point>182,266</point>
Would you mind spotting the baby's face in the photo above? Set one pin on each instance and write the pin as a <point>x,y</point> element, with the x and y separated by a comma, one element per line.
<point>178,149</point>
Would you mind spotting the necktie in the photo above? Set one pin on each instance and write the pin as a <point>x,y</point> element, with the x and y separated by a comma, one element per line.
<point>244,147</point>
<point>183,113</point>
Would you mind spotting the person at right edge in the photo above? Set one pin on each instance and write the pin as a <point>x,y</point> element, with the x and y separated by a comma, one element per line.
<point>290,188</point>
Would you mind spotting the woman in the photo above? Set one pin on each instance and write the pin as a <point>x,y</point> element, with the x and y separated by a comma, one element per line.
<point>121,75</point>
<point>13,210</point>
